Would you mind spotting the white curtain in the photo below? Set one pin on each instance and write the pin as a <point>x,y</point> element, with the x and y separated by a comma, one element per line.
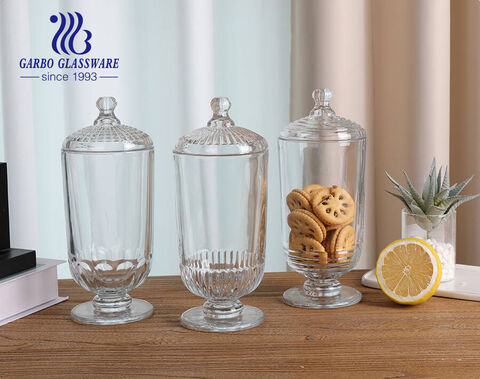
<point>174,56</point>
<point>405,70</point>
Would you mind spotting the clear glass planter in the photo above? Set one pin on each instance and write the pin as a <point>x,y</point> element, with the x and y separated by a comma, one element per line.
<point>438,231</point>
<point>221,172</point>
<point>108,186</point>
<point>322,168</point>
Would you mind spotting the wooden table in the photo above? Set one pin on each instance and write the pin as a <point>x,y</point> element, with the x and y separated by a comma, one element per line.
<point>375,338</point>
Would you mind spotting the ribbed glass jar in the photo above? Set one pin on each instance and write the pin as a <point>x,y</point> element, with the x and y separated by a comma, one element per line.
<point>221,173</point>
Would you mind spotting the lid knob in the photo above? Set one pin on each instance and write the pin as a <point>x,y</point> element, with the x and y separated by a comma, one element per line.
<point>322,97</point>
<point>106,105</point>
<point>220,107</point>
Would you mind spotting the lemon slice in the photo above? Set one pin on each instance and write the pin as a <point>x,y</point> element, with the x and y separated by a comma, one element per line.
<point>409,271</point>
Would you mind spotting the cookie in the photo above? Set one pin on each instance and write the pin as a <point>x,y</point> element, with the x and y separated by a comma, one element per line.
<point>312,188</point>
<point>309,249</point>
<point>336,209</point>
<point>303,225</point>
<point>333,227</point>
<point>299,199</point>
<point>341,241</point>
<point>310,214</point>
<point>345,240</point>
<point>291,237</point>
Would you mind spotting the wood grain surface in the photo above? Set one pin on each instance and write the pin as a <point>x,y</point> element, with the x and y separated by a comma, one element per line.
<point>373,339</point>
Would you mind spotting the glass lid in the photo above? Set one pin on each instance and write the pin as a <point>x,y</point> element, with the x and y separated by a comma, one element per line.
<point>220,137</point>
<point>107,134</point>
<point>322,124</point>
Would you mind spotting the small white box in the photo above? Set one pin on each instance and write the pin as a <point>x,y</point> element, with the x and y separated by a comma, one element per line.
<point>29,291</point>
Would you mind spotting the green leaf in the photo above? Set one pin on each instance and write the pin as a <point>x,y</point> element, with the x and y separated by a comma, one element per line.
<point>439,181</point>
<point>413,192</point>
<point>399,188</point>
<point>429,181</point>
<point>446,180</point>
<point>429,201</point>
<point>459,202</point>
<point>401,198</point>
<point>442,195</point>
<point>416,210</point>
<point>436,211</point>
<point>461,186</point>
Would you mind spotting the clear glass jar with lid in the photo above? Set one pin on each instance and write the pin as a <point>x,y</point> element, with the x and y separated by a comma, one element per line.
<point>108,187</point>
<point>322,168</point>
<point>221,173</point>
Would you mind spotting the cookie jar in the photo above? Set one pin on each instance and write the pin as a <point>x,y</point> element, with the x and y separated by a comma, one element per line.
<point>108,189</point>
<point>221,175</point>
<point>322,168</point>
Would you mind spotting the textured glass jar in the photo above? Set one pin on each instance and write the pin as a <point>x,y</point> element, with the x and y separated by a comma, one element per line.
<point>221,173</point>
<point>440,232</point>
<point>108,186</point>
<point>322,168</point>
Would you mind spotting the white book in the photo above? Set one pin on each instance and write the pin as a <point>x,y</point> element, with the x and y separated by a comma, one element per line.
<point>29,291</point>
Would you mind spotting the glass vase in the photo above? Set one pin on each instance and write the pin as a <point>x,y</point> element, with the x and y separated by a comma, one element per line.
<point>440,232</point>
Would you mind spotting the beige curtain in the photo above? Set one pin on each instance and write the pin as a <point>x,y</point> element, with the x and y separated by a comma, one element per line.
<point>406,71</point>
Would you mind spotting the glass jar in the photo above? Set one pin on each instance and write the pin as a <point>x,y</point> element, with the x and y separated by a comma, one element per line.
<point>322,168</point>
<point>108,186</point>
<point>221,173</point>
<point>437,230</point>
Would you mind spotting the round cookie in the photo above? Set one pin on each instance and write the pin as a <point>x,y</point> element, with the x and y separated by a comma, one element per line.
<point>342,241</point>
<point>336,209</point>
<point>298,199</point>
<point>309,249</point>
<point>310,214</point>
<point>312,188</point>
<point>345,240</point>
<point>303,225</point>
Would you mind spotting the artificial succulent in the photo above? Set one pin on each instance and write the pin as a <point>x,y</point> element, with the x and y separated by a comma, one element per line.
<point>438,197</point>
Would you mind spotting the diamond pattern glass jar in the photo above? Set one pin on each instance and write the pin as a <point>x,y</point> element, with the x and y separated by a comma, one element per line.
<point>322,167</point>
<point>221,174</point>
<point>108,185</point>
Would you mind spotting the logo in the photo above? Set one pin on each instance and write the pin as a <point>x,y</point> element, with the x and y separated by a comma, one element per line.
<point>72,44</point>
<point>64,38</point>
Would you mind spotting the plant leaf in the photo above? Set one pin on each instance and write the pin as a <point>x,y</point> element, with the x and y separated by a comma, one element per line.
<point>429,181</point>
<point>446,180</point>
<point>413,192</point>
<point>460,187</point>
<point>429,201</point>
<point>439,182</point>
<point>401,198</point>
<point>442,195</point>
<point>460,201</point>
<point>417,210</point>
<point>399,188</point>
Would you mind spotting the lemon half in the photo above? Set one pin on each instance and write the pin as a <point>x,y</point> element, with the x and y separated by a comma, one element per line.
<point>409,271</point>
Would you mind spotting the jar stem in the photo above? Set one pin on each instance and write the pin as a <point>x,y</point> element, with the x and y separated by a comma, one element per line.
<point>222,310</point>
<point>322,287</point>
<point>111,304</point>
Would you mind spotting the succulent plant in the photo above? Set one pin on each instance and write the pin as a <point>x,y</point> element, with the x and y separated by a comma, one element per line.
<point>438,197</point>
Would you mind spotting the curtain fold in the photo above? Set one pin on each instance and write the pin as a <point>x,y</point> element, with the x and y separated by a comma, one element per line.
<point>465,121</point>
<point>331,47</point>
<point>388,65</point>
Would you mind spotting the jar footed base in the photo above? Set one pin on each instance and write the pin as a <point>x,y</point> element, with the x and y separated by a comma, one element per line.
<point>296,297</point>
<point>88,313</point>
<point>198,319</point>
